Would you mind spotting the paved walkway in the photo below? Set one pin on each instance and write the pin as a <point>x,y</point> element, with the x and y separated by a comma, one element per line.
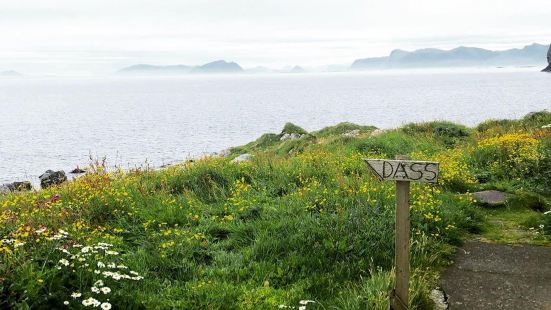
<point>494,276</point>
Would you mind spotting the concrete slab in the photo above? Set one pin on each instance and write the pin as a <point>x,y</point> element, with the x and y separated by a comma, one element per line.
<point>494,276</point>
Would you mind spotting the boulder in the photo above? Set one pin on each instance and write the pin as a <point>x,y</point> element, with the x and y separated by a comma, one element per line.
<point>351,133</point>
<point>242,158</point>
<point>51,177</point>
<point>171,164</point>
<point>77,170</point>
<point>223,153</point>
<point>15,187</point>
<point>548,68</point>
<point>491,198</point>
<point>290,136</point>
<point>440,299</point>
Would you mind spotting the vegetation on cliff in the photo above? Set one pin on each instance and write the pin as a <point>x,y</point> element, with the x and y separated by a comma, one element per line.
<point>304,220</point>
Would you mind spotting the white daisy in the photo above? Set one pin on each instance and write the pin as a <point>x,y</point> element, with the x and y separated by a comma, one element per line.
<point>76,295</point>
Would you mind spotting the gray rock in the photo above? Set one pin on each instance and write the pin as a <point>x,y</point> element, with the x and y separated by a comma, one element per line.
<point>290,136</point>
<point>440,299</point>
<point>223,153</point>
<point>171,164</point>
<point>51,177</point>
<point>242,158</point>
<point>4,189</point>
<point>77,170</point>
<point>352,133</point>
<point>548,69</point>
<point>491,197</point>
<point>15,187</point>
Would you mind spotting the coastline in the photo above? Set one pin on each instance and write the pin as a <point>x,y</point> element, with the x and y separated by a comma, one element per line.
<point>234,151</point>
<point>289,217</point>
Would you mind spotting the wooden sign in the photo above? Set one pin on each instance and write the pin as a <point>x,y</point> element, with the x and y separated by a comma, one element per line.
<point>404,170</point>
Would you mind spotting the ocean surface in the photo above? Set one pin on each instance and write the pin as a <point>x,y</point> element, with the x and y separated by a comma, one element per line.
<point>60,122</point>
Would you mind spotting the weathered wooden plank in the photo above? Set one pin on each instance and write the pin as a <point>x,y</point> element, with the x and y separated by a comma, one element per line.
<point>402,245</point>
<point>405,170</point>
<point>401,288</point>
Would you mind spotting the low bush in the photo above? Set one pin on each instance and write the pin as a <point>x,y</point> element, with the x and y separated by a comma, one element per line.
<point>510,156</point>
<point>291,128</point>
<point>342,128</point>
<point>528,200</point>
<point>449,133</point>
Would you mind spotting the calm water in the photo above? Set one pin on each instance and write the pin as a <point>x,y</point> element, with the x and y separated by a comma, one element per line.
<point>57,123</point>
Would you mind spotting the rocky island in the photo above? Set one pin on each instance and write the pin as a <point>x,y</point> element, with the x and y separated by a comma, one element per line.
<point>219,66</point>
<point>462,56</point>
<point>153,69</point>
<point>10,73</point>
<point>548,68</point>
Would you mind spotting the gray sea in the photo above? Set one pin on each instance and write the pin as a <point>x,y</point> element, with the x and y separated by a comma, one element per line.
<point>59,122</point>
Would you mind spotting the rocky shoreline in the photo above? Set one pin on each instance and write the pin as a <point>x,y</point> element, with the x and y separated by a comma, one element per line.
<point>290,132</point>
<point>49,178</point>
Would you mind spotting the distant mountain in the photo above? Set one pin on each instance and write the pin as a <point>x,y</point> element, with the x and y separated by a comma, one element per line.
<point>533,54</point>
<point>219,66</point>
<point>297,69</point>
<point>152,69</point>
<point>10,73</point>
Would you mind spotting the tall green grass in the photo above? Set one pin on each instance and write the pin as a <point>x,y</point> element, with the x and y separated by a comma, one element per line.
<point>303,220</point>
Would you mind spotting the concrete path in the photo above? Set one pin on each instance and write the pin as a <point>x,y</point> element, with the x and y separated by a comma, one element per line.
<point>494,276</point>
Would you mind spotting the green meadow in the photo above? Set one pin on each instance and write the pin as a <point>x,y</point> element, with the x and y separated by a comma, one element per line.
<point>302,224</point>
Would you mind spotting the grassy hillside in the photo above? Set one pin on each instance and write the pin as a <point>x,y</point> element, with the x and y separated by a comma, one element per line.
<point>304,220</point>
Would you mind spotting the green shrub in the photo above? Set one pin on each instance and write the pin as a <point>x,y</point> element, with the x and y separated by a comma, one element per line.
<point>295,146</point>
<point>530,121</point>
<point>342,128</point>
<point>501,126</point>
<point>447,132</point>
<point>547,223</point>
<point>290,128</point>
<point>533,221</point>
<point>528,200</point>
<point>536,119</point>
<point>511,156</point>
<point>542,178</point>
<point>395,143</point>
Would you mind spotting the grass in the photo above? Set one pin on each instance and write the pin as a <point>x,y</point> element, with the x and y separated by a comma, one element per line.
<point>303,220</point>
<point>513,226</point>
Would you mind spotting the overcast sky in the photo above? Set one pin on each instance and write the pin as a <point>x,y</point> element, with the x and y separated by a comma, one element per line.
<point>100,36</point>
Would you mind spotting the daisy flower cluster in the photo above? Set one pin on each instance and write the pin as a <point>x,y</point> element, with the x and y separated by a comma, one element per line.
<point>99,261</point>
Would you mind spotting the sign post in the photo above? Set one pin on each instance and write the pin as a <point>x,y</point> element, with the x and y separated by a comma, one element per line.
<point>403,171</point>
